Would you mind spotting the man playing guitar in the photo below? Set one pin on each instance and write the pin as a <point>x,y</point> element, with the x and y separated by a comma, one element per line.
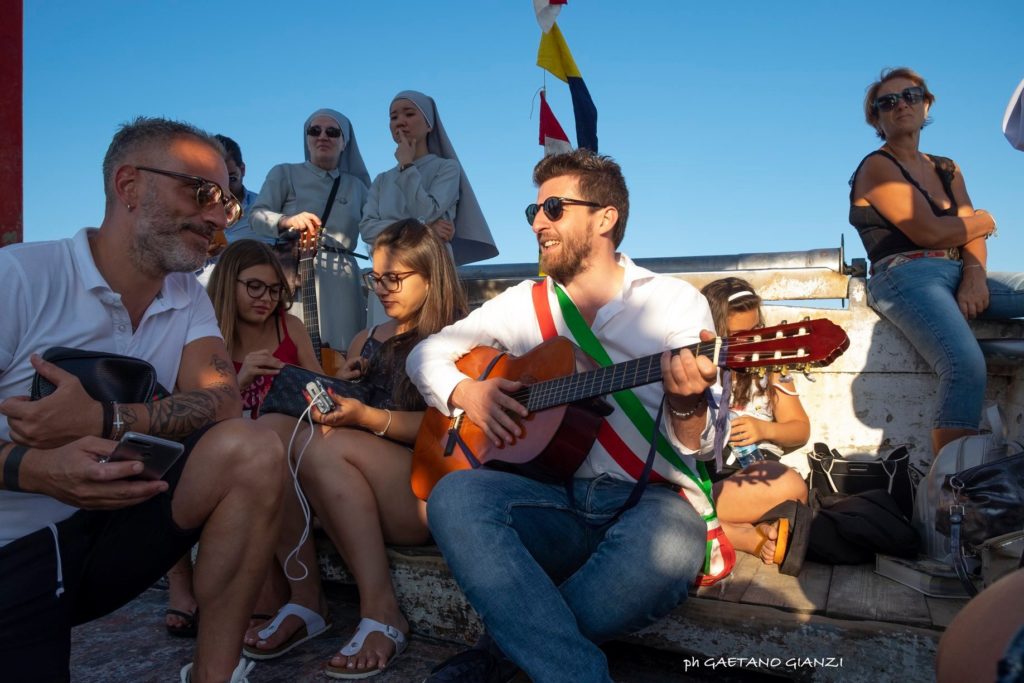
<point>556,568</point>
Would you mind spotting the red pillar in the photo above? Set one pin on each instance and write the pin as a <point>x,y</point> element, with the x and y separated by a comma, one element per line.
<point>11,214</point>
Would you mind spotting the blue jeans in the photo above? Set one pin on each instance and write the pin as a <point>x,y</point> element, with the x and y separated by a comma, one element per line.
<point>919,298</point>
<point>549,587</point>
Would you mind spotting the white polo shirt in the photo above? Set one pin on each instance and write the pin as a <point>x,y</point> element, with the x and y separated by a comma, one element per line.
<point>51,294</point>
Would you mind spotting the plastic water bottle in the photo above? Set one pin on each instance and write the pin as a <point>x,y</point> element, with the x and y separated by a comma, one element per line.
<point>746,455</point>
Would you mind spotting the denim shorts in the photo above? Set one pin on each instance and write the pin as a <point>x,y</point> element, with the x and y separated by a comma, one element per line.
<point>918,296</point>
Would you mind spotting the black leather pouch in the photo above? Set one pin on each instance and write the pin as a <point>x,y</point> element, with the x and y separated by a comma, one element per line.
<point>104,376</point>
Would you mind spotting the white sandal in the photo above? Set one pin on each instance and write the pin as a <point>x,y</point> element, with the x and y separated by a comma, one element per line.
<point>352,648</point>
<point>313,625</point>
<point>237,676</point>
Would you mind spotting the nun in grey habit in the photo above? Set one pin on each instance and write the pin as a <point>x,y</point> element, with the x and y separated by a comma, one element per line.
<point>293,193</point>
<point>429,186</point>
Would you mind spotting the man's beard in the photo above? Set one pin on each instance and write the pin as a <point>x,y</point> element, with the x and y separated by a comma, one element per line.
<point>572,259</point>
<point>160,247</point>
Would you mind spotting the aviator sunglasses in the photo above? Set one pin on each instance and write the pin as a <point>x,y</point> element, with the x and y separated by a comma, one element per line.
<point>911,96</point>
<point>208,193</point>
<point>332,132</point>
<point>554,206</point>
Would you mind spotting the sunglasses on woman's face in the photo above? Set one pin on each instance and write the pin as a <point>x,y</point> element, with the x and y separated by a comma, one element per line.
<point>911,96</point>
<point>553,208</point>
<point>332,132</point>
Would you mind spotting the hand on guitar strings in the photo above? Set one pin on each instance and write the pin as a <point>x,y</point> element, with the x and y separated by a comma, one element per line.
<point>686,377</point>
<point>488,405</point>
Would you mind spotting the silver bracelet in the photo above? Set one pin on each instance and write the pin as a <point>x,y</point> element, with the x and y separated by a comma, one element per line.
<point>687,414</point>
<point>386,427</point>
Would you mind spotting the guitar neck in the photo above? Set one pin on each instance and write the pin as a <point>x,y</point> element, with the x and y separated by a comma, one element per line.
<point>602,381</point>
<point>310,312</point>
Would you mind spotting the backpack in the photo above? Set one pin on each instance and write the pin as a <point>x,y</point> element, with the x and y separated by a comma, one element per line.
<point>851,529</point>
<point>956,456</point>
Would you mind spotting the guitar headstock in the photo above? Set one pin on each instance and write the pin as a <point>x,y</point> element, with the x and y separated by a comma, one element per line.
<point>804,344</point>
<point>309,242</point>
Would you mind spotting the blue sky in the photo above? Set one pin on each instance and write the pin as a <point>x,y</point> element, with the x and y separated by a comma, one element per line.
<point>737,125</point>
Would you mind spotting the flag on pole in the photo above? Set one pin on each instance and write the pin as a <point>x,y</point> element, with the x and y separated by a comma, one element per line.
<point>553,55</point>
<point>552,137</point>
<point>547,11</point>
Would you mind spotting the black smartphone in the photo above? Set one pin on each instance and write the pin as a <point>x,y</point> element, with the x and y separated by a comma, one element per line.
<point>156,455</point>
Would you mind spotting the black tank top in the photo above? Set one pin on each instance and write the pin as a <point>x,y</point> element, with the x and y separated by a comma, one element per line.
<point>881,237</point>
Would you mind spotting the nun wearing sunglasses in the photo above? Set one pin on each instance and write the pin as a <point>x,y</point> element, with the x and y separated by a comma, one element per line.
<point>332,182</point>
<point>927,247</point>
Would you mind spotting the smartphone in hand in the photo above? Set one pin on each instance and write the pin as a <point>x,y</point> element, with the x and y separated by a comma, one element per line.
<point>156,455</point>
<point>318,395</point>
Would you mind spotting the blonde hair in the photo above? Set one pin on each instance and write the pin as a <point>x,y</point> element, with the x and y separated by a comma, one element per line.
<point>237,257</point>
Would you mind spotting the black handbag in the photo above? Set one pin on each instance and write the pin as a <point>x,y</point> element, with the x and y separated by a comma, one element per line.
<point>285,395</point>
<point>833,474</point>
<point>104,376</point>
<point>978,504</point>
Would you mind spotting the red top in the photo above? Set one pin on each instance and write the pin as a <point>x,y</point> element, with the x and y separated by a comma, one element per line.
<point>286,352</point>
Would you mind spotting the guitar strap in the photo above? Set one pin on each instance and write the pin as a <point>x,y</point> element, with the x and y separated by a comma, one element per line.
<point>720,557</point>
<point>330,201</point>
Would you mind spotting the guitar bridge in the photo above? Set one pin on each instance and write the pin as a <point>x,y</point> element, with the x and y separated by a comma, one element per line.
<point>453,430</point>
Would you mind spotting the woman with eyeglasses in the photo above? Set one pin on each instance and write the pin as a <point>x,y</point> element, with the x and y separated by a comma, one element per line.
<point>355,471</point>
<point>251,299</point>
<point>428,183</point>
<point>927,246</point>
<point>332,182</point>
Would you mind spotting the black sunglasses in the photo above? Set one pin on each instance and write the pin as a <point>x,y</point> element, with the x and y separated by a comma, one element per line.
<point>255,289</point>
<point>553,207</point>
<point>911,96</point>
<point>389,282</point>
<point>332,132</point>
<point>208,193</point>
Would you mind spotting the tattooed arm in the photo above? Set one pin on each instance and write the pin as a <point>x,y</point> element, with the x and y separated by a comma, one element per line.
<point>207,391</point>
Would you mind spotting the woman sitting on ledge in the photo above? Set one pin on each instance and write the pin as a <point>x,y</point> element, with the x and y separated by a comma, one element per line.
<point>926,243</point>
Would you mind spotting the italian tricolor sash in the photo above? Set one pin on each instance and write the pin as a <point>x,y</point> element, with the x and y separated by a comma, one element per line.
<point>720,557</point>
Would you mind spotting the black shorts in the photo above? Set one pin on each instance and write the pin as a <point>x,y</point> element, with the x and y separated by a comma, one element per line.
<point>107,558</point>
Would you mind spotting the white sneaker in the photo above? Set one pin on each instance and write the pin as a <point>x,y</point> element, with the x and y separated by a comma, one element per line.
<point>237,676</point>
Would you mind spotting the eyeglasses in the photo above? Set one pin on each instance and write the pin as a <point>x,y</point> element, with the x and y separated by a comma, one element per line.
<point>255,289</point>
<point>389,282</point>
<point>911,96</point>
<point>208,193</point>
<point>332,132</point>
<point>553,207</point>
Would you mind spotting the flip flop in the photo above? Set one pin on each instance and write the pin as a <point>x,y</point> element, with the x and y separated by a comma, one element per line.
<point>794,521</point>
<point>355,644</point>
<point>186,630</point>
<point>312,625</point>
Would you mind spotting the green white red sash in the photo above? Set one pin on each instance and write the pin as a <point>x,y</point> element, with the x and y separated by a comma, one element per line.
<point>720,557</point>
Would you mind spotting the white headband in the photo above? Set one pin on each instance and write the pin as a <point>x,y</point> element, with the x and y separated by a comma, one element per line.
<point>737,295</point>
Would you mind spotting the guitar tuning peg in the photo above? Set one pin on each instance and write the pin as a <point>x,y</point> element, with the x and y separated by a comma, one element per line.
<point>807,373</point>
<point>761,371</point>
<point>784,322</point>
<point>807,318</point>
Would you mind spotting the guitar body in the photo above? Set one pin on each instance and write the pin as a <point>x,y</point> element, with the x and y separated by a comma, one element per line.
<point>554,443</point>
<point>563,390</point>
<point>331,360</point>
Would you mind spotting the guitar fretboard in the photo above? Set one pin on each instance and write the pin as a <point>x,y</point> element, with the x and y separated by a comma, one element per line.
<point>310,312</point>
<point>602,381</point>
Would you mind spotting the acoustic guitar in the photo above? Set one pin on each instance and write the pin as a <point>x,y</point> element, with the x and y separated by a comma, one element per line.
<point>330,359</point>
<point>563,396</point>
